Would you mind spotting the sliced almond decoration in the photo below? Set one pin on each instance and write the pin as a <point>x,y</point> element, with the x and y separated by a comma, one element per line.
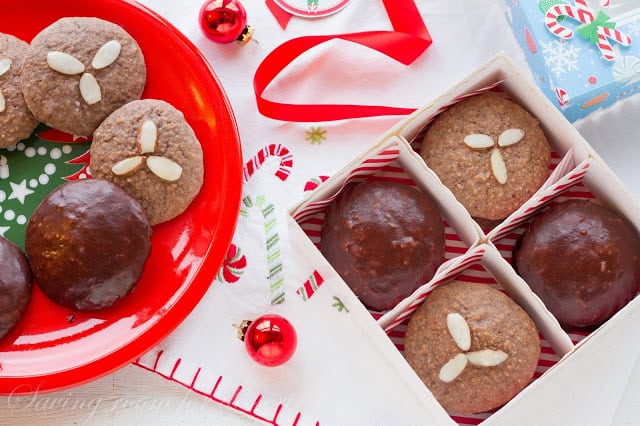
<point>486,358</point>
<point>64,63</point>
<point>510,137</point>
<point>89,89</point>
<point>498,167</point>
<point>478,141</point>
<point>5,64</point>
<point>147,137</point>
<point>453,368</point>
<point>459,330</point>
<point>164,168</point>
<point>127,166</point>
<point>3,102</point>
<point>106,55</point>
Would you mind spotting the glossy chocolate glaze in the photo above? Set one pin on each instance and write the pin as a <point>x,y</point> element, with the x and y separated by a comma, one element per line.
<point>582,260</point>
<point>87,244</point>
<point>385,239</point>
<point>15,285</point>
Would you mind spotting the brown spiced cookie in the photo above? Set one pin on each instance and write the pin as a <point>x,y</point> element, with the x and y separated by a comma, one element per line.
<point>15,285</point>
<point>87,243</point>
<point>16,121</point>
<point>490,152</point>
<point>78,70</point>
<point>472,346</point>
<point>582,259</point>
<point>147,148</point>
<point>385,239</point>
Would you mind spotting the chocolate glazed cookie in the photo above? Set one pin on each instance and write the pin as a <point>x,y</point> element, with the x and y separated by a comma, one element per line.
<point>87,243</point>
<point>582,260</point>
<point>385,239</point>
<point>15,285</point>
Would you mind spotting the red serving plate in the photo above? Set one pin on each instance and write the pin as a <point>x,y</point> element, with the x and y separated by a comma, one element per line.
<point>53,348</point>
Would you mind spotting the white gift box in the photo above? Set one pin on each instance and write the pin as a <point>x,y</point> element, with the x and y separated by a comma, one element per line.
<point>477,255</point>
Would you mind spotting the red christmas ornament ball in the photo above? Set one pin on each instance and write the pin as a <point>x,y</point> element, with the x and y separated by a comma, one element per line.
<point>224,21</point>
<point>270,339</point>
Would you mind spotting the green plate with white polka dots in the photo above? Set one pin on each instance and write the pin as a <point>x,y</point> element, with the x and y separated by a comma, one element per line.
<point>31,169</point>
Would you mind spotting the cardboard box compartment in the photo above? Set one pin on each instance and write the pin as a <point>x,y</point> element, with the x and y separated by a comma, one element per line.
<point>478,255</point>
<point>584,54</point>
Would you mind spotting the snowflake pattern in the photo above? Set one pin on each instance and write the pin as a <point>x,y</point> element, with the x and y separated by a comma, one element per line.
<point>634,29</point>
<point>560,56</point>
<point>315,135</point>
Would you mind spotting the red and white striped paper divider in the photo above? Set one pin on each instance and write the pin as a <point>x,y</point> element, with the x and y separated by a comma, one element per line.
<point>372,164</point>
<point>446,272</point>
<point>564,176</point>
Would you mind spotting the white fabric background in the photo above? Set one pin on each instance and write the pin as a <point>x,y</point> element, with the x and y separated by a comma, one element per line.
<point>336,377</point>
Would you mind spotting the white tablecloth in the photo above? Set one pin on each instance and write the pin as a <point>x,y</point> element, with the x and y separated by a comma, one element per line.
<point>334,378</point>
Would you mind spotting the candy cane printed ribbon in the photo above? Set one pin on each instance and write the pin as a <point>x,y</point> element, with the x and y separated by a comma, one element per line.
<point>272,242</point>
<point>405,44</point>
<point>597,28</point>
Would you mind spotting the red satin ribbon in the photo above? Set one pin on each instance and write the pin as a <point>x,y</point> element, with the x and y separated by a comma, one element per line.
<point>408,40</point>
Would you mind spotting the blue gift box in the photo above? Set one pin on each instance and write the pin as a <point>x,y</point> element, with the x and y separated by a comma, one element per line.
<point>584,54</point>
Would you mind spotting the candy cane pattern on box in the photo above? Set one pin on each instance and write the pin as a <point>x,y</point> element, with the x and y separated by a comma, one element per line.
<point>583,14</point>
<point>275,277</point>
<point>269,151</point>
